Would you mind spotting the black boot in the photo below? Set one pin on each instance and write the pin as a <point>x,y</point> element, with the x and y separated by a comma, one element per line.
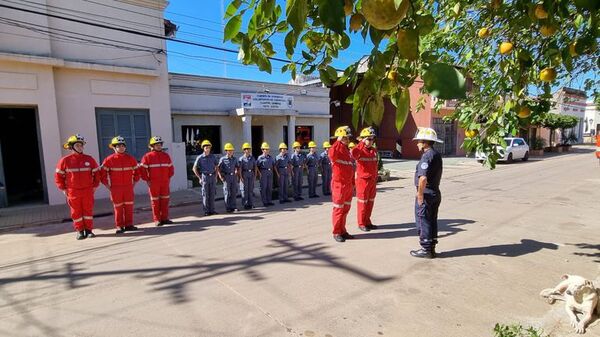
<point>348,236</point>
<point>371,227</point>
<point>339,238</point>
<point>167,222</point>
<point>422,253</point>
<point>81,235</point>
<point>120,230</point>
<point>131,228</point>
<point>89,234</point>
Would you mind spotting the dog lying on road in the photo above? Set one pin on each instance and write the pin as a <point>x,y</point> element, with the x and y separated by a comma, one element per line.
<point>580,296</point>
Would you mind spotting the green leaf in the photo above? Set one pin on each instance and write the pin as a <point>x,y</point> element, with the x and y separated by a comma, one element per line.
<point>291,38</point>
<point>578,21</point>
<point>425,24</point>
<point>402,108</point>
<point>232,28</point>
<point>375,109</point>
<point>397,3</point>
<point>232,8</point>
<point>444,81</point>
<point>325,77</point>
<point>296,11</point>
<point>331,13</point>
<point>356,108</point>
<point>262,61</point>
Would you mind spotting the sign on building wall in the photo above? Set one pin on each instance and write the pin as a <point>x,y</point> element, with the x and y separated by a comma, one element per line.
<point>267,101</point>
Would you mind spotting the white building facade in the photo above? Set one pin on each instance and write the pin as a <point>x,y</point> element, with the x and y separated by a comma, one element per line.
<point>591,123</point>
<point>214,109</point>
<point>571,102</point>
<point>59,78</point>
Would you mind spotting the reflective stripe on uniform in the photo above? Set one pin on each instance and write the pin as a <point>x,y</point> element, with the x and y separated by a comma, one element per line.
<point>128,202</point>
<point>348,203</point>
<point>154,198</point>
<point>344,162</point>
<point>60,171</point>
<point>144,165</point>
<point>119,168</point>
<point>78,219</point>
<point>364,201</point>
<point>367,158</point>
<point>337,205</point>
<point>371,199</point>
<point>88,217</point>
<point>96,169</point>
<point>118,205</point>
<point>164,197</point>
<point>159,165</point>
<point>83,169</point>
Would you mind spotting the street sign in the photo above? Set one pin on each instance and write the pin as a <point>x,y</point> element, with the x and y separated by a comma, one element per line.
<point>266,101</point>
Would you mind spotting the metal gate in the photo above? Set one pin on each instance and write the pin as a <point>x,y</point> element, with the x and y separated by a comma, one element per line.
<point>446,131</point>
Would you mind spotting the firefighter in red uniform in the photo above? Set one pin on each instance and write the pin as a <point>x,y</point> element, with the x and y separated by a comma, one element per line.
<point>341,182</point>
<point>156,168</point>
<point>365,156</point>
<point>77,177</point>
<point>119,174</point>
<point>598,147</point>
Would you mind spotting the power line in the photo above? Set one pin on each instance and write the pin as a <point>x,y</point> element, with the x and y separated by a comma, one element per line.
<point>125,30</point>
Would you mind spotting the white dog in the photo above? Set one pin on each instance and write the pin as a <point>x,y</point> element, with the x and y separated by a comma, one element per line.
<point>580,296</point>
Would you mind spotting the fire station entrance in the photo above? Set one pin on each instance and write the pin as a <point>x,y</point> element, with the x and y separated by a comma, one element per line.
<point>20,159</point>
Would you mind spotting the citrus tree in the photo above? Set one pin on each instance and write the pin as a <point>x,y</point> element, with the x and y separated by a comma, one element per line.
<point>512,50</point>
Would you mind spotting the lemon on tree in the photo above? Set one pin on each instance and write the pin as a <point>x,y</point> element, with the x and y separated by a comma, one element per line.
<point>383,14</point>
<point>524,112</point>
<point>471,133</point>
<point>506,47</point>
<point>548,74</point>
<point>547,30</point>
<point>356,22</point>
<point>540,12</point>
<point>484,32</point>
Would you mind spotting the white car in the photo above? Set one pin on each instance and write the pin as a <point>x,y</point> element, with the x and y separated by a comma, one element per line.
<point>516,148</point>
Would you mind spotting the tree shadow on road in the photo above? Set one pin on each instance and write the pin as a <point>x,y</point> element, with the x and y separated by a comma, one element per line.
<point>175,280</point>
<point>526,246</point>
<point>446,227</point>
<point>593,252</point>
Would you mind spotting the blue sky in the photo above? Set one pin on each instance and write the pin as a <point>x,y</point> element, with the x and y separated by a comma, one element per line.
<point>201,21</point>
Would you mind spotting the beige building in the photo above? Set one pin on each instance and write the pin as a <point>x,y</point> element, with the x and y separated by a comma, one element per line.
<point>228,110</point>
<point>59,77</point>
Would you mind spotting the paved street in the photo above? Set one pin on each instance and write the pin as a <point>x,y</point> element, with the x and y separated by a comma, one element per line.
<point>505,235</point>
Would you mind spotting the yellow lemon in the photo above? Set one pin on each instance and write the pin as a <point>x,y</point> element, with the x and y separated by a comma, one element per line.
<point>524,112</point>
<point>356,22</point>
<point>547,30</point>
<point>484,32</point>
<point>506,47</point>
<point>392,75</point>
<point>548,74</point>
<point>471,133</point>
<point>572,49</point>
<point>540,12</point>
<point>383,14</point>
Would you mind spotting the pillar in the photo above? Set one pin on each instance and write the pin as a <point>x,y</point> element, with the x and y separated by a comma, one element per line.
<point>291,130</point>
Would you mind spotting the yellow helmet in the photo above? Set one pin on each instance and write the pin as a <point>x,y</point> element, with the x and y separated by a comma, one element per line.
<point>342,131</point>
<point>283,146</point>
<point>229,147</point>
<point>351,145</point>
<point>367,132</point>
<point>296,144</point>
<point>116,141</point>
<point>77,138</point>
<point>246,146</point>
<point>326,145</point>
<point>312,144</point>
<point>265,146</point>
<point>155,140</point>
<point>205,142</point>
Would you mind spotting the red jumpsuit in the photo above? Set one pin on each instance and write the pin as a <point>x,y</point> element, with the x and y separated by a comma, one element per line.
<point>157,169</point>
<point>77,175</point>
<point>366,181</point>
<point>119,174</point>
<point>341,185</point>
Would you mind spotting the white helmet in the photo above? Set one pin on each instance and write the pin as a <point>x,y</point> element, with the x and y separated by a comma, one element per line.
<point>427,134</point>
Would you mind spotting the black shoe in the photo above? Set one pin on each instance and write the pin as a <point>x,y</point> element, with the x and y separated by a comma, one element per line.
<point>371,227</point>
<point>422,253</point>
<point>298,198</point>
<point>247,207</point>
<point>133,228</point>
<point>213,213</point>
<point>89,234</point>
<point>270,204</point>
<point>348,236</point>
<point>81,235</point>
<point>158,223</point>
<point>206,213</point>
<point>314,196</point>
<point>339,238</point>
<point>326,193</point>
<point>166,222</point>
<point>364,228</point>
<point>230,210</point>
<point>121,230</point>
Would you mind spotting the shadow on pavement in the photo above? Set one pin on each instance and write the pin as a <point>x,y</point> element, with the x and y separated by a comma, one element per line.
<point>175,280</point>
<point>593,252</point>
<point>526,246</point>
<point>446,227</point>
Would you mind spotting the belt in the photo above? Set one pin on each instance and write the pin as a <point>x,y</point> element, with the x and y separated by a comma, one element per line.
<point>230,174</point>
<point>281,167</point>
<point>207,174</point>
<point>296,166</point>
<point>248,170</point>
<point>265,169</point>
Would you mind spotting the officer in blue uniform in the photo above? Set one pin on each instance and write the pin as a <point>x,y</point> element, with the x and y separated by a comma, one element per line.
<point>298,162</point>
<point>312,164</point>
<point>325,165</point>
<point>427,202</point>
<point>228,171</point>
<point>283,168</point>
<point>266,164</point>
<point>205,168</point>
<point>247,176</point>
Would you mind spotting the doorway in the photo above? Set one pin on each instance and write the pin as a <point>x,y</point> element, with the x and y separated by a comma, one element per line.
<point>20,165</point>
<point>257,140</point>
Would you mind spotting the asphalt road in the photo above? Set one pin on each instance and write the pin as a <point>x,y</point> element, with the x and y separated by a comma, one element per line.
<point>504,236</point>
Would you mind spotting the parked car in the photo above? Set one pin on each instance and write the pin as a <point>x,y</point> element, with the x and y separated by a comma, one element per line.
<point>516,148</point>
